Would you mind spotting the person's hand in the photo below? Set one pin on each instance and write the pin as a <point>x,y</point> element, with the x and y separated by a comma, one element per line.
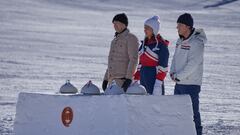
<point>174,78</point>
<point>126,84</point>
<point>104,85</point>
<point>136,81</point>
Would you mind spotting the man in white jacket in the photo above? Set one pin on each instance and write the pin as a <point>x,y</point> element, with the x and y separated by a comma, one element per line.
<point>187,64</point>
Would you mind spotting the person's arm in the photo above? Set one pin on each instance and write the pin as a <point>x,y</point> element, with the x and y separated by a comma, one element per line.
<point>195,58</point>
<point>105,81</point>
<point>132,48</point>
<point>137,73</point>
<point>162,67</point>
<point>106,75</point>
<point>172,69</point>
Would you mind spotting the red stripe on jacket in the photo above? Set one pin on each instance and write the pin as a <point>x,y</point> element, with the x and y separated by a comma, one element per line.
<point>147,59</point>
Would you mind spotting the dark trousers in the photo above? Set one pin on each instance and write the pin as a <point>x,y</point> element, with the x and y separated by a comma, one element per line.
<point>148,78</point>
<point>193,91</point>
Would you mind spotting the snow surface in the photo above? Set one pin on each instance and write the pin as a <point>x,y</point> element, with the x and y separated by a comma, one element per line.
<point>45,42</point>
<point>40,114</point>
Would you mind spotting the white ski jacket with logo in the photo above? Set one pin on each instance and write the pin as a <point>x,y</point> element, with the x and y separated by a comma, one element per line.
<point>187,63</point>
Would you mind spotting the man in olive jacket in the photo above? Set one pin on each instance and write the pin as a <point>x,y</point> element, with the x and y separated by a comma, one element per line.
<point>123,55</point>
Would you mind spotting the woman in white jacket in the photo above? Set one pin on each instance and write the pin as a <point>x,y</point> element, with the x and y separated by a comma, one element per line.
<point>187,64</point>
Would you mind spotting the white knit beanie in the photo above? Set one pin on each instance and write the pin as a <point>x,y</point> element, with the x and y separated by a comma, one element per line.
<point>154,23</point>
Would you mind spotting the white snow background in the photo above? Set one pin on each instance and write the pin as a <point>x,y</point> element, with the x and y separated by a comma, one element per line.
<point>45,42</point>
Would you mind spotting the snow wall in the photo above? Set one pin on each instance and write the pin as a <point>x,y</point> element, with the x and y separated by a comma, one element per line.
<point>46,114</point>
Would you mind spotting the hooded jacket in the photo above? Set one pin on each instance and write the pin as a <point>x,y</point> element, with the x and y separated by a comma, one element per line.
<point>187,62</point>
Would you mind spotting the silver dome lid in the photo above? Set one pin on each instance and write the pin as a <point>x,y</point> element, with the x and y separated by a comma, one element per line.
<point>114,89</point>
<point>136,89</point>
<point>68,88</point>
<point>90,89</point>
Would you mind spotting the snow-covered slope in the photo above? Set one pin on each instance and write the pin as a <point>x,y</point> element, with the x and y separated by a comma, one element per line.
<point>45,42</point>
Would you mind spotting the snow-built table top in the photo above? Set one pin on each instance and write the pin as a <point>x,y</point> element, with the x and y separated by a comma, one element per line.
<point>56,114</point>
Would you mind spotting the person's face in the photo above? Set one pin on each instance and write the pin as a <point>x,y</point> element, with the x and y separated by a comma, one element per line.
<point>118,26</point>
<point>182,29</point>
<point>148,31</point>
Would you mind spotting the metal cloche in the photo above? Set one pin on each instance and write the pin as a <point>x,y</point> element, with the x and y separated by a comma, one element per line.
<point>114,89</point>
<point>68,88</point>
<point>136,89</point>
<point>90,89</point>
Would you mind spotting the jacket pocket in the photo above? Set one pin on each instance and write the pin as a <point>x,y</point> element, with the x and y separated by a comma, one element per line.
<point>122,46</point>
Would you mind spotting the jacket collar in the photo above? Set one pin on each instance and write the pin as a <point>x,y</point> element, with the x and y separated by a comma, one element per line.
<point>182,37</point>
<point>123,33</point>
<point>159,38</point>
<point>196,34</point>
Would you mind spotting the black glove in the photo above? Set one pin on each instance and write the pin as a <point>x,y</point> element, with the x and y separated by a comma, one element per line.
<point>126,84</point>
<point>104,85</point>
<point>177,80</point>
<point>174,78</point>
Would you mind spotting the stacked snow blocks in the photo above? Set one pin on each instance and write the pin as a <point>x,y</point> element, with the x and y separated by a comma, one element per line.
<point>46,114</point>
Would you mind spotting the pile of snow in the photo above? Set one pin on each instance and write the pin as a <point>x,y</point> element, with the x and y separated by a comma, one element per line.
<point>44,114</point>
